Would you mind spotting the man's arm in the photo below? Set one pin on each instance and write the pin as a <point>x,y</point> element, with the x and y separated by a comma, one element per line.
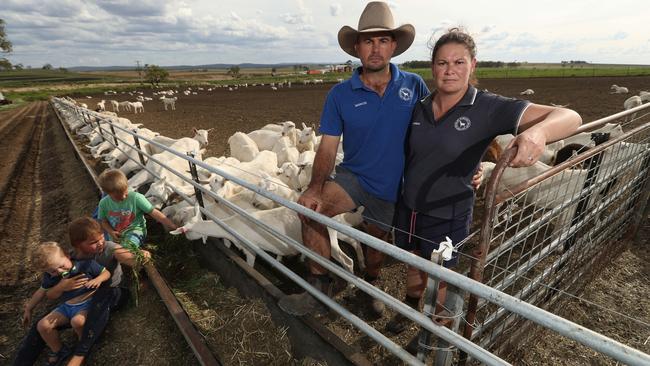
<point>115,235</point>
<point>66,284</point>
<point>126,257</point>
<point>95,282</point>
<point>323,166</point>
<point>36,298</point>
<point>161,218</point>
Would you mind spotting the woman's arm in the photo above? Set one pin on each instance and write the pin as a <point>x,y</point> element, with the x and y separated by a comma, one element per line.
<point>542,124</point>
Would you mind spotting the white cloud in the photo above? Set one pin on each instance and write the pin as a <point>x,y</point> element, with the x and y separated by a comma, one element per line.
<point>70,32</point>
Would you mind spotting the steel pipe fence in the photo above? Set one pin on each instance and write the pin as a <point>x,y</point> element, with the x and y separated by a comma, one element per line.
<point>543,237</point>
<point>494,298</point>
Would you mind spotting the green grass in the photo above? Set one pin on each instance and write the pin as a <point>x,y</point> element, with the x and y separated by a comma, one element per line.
<point>549,71</point>
<point>26,78</point>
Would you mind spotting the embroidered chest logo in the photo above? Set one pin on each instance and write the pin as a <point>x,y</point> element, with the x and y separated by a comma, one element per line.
<point>462,123</point>
<point>405,94</point>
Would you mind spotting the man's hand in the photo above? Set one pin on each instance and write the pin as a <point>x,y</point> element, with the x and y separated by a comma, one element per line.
<point>94,283</point>
<point>73,283</point>
<point>27,317</point>
<point>312,200</point>
<point>115,235</point>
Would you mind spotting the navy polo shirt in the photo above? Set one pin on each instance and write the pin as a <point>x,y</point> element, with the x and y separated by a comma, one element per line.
<point>442,155</point>
<point>88,267</point>
<point>373,128</point>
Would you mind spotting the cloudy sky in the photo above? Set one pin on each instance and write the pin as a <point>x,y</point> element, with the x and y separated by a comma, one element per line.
<point>170,32</point>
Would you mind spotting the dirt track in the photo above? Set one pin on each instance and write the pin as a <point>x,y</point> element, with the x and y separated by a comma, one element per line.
<point>43,188</point>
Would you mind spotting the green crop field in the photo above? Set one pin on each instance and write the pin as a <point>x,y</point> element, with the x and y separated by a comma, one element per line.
<point>27,78</point>
<point>550,71</point>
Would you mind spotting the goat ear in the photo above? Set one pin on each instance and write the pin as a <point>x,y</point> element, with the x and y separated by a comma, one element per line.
<point>194,130</point>
<point>209,129</point>
<point>313,126</point>
<point>304,125</point>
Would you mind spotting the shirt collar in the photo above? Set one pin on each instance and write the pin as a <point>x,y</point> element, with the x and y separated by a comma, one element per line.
<point>467,99</point>
<point>356,82</point>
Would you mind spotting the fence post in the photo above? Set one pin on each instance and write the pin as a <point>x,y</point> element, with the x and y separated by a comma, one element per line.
<point>137,144</point>
<point>195,177</point>
<point>99,127</point>
<point>113,132</point>
<point>454,305</point>
<point>429,308</point>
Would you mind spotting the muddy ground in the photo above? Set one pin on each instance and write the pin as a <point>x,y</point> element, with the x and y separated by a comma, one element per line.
<point>246,109</point>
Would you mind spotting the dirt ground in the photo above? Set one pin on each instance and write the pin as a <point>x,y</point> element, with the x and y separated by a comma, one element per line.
<point>246,109</point>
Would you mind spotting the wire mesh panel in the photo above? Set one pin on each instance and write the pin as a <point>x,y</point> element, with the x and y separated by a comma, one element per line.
<point>552,226</point>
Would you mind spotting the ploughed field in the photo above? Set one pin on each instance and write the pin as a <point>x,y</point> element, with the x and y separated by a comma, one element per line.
<point>247,109</point>
<point>37,182</point>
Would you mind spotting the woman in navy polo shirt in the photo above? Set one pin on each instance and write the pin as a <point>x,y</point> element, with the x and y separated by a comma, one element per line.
<point>449,133</point>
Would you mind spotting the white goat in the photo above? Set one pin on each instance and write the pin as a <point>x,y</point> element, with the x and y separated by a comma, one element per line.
<point>527,92</point>
<point>242,147</point>
<point>169,102</point>
<point>137,106</point>
<point>618,89</point>
<point>101,106</point>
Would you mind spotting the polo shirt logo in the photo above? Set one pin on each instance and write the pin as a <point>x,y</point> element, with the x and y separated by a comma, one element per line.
<point>462,123</point>
<point>360,104</point>
<point>405,94</point>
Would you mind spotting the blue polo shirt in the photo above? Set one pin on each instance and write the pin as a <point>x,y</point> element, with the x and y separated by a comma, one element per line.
<point>443,154</point>
<point>373,128</point>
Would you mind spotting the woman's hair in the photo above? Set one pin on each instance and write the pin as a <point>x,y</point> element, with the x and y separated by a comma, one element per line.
<point>81,229</point>
<point>113,181</point>
<point>455,35</point>
<point>43,255</point>
<point>458,36</point>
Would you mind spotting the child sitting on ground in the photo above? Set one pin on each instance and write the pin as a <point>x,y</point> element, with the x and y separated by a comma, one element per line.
<point>121,212</point>
<point>61,280</point>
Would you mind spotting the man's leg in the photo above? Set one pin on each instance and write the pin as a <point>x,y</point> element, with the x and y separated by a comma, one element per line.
<point>30,348</point>
<point>96,320</point>
<point>374,261</point>
<point>315,236</point>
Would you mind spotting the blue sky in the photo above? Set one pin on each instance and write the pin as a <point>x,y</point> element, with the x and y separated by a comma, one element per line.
<point>169,32</point>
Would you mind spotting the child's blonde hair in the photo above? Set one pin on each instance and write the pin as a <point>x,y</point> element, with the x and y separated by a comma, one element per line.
<point>81,229</point>
<point>113,181</point>
<point>43,255</point>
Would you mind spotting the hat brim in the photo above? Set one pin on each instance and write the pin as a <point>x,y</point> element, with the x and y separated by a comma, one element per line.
<point>404,35</point>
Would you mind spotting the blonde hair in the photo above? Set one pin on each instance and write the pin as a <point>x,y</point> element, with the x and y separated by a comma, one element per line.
<point>83,228</point>
<point>113,181</point>
<point>43,255</point>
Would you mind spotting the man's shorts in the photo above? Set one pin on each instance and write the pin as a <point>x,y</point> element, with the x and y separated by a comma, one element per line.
<point>133,238</point>
<point>417,231</point>
<point>376,211</point>
<point>70,310</point>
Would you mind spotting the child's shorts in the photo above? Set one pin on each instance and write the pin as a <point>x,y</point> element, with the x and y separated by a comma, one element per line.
<point>70,310</point>
<point>132,238</point>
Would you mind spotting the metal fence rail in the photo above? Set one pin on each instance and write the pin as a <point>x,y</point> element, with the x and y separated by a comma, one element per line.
<point>535,235</point>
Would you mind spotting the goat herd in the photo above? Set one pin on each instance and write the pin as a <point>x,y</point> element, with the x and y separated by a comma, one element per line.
<point>277,158</point>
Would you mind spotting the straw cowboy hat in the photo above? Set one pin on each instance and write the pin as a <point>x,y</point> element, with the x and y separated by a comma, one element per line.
<point>376,17</point>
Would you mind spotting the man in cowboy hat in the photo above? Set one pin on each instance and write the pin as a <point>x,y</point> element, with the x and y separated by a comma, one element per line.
<point>374,108</point>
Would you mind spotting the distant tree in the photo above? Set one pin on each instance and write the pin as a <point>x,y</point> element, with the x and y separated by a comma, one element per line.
<point>5,44</point>
<point>234,71</point>
<point>155,74</point>
<point>47,67</point>
<point>18,67</point>
<point>4,64</point>
<point>348,63</point>
<point>63,69</point>
<point>273,71</point>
